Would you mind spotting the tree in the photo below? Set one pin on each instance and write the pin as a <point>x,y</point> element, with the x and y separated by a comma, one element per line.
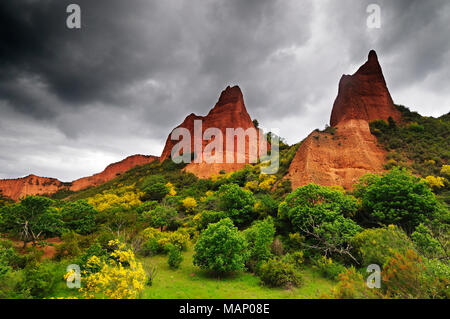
<point>321,213</point>
<point>79,216</point>
<point>156,191</point>
<point>259,238</point>
<point>32,218</point>
<point>221,248</point>
<point>397,197</point>
<point>161,216</point>
<point>236,202</point>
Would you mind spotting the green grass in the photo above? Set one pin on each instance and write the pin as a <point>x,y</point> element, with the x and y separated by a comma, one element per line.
<point>190,282</point>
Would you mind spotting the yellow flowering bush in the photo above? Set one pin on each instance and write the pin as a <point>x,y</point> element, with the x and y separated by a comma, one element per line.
<point>252,186</point>
<point>189,204</point>
<point>435,182</point>
<point>172,191</point>
<point>124,197</point>
<point>266,182</point>
<point>445,171</point>
<point>120,277</point>
<point>179,238</point>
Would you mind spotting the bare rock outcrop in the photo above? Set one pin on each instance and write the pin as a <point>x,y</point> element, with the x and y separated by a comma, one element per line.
<point>35,185</point>
<point>229,112</point>
<point>351,151</point>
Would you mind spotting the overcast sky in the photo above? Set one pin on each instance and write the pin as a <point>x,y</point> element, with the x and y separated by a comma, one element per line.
<point>74,101</point>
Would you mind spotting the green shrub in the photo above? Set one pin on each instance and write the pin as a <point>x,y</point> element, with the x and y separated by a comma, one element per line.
<point>237,203</point>
<point>397,198</point>
<point>425,243</point>
<point>150,247</point>
<point>94,250</point>
<point>295,258</point>
<point>259,238</point>
<point>437,274</point>
<point>221,248</point>
<point>79,216</point>
<point>277,273</point>
<point>175,258</point>
<point>377,246</point>
<point>40,280</point>
<point>329,268</point>
<point>69,247</point>
<point>156,191</point>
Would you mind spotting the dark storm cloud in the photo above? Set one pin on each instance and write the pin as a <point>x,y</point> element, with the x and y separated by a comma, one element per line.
<point>71,101</point>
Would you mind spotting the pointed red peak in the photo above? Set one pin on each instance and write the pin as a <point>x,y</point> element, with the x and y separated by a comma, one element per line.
<point>373,55</point>
<point>364,95</point>
<point>230,95</point>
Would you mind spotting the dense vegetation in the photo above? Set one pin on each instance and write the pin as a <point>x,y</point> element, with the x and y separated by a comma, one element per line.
<point>158,232</point>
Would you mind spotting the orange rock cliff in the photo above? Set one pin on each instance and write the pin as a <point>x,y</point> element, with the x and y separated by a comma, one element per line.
<point>351,151</point>
<point>35,185</point>
<point>229,112</point>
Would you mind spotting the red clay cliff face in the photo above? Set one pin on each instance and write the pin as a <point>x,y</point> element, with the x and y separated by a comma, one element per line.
<point>339,159</point>
<point>35,185</point>
<point>30,185</point>
<point>342,158</point>
<point>364,95</point>
<point>111,171</point>
<point>229,112</point>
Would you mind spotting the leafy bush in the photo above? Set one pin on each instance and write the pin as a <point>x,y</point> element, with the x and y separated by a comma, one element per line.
<point>329,268</point>
<point>295,258</point>
<point>319,213</point>
<point>79,216</point>
<point>352,285</point>
<point>70,246</point>
<point>156,191</point>
<point>377,246</point>
<point>155,241</point>
<point>437,274</point>
<point>403,276</point>
<point>277,273</point>
<point>236,202</point>
<point>259,238</point>
<point>206,217</point>
<point>221,248</point>
<point>40,280</point>
<point>425,243</point>
<point>160,216</point>
<point>397,198</point>
<point>175,258</point>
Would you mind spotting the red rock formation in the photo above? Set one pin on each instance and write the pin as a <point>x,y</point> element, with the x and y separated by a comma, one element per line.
<point>29,185</point>
<point>35,185</point>
<point>342,158</point>
<point>111,171</point>
<point>339,159</point>
<point>229,112</point>
<point>364,95</point>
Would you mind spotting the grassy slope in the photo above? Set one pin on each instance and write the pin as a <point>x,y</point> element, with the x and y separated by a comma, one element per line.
<point>190,282</point>
<point>420,143</point>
